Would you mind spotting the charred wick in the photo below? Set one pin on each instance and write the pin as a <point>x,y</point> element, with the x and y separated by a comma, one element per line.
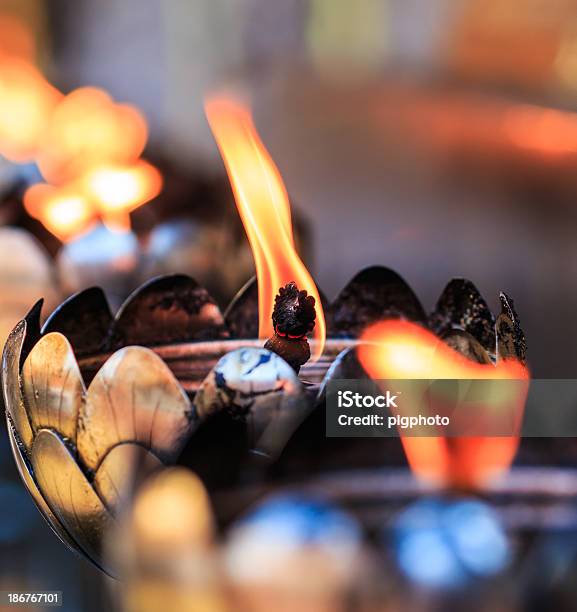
<point>293,318</point>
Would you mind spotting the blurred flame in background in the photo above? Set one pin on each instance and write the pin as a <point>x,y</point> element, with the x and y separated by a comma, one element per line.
<point>549,131</point>
<point>264,207</point>
<point>88,129</point>
<point>86,146</point>
<point>64,211</point>
<point>401,350</point>
<point>120,189</point>
<point>16,39</point>
<point>27,102</point>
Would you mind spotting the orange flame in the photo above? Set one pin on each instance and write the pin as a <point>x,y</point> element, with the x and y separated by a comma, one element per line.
<point>549,131</point>
<point>120,189</point>
<point>403,350</point>
<point>86,145</point>
<point>264,207</point>
<point>109,192</point>
<point>88,128</point>
<point>26,105</point>
<point>64,211</point>
<point>16,38</point>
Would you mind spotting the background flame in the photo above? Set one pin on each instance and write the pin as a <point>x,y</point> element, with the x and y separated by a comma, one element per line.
<point>27,102</point>
<point>86,146</point>
<point>264,207</point>
<point>88,128</point>
<point>64,211</point>
<point>403,350</point>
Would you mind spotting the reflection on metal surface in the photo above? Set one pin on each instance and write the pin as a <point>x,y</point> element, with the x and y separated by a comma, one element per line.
<point>52,385</point>
<point>114,475</point>
<point>258,387</point>
<point>32,488</point>
<point>79,450</point>
<point>11,388</point>
<point>134,398</point>
<point>68,492</point>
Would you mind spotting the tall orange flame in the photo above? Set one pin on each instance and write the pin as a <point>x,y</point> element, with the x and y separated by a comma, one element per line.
<point>264,207</point>
<point>402,350</point>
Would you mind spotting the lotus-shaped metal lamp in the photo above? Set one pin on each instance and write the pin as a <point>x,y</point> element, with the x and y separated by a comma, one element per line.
<point>92,398</point>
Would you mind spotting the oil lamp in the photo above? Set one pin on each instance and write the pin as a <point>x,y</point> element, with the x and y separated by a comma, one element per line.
<point>93,399</point>
<point>89,394</point>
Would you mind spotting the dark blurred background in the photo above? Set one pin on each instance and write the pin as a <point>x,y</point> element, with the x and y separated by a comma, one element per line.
<point>438,138</point>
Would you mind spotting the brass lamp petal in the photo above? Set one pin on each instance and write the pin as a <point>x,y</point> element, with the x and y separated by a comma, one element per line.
<point>374,294</point>
<point>84,319</point>
<point>52,385</point>
<point>241,316</point>
<point>345,365</point>
<point>115,477</point>
<point>69,494</point>
<point>461,305</point>
<point>511,343</point>
<point>462,342</point>
<point>11,387</point>
<point>167,309</point>
<point>134,397</point>
<point>40,502</point>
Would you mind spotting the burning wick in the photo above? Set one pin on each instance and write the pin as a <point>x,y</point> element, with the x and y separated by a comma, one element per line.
<point>293,318</point>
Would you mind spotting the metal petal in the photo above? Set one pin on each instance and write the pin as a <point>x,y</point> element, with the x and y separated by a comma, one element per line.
<point>510,337</point>
<point>52,385</point>
<point>120,470</point>
<point>32,334</point>
<point>345,366</point>
<point>462,306</point>
<point>11,388</point>
<point>241,316</point>
<point>168,309</point>
<point>134,398</point>
<point>374,294</point>
<point>69,494</point>
<point>84,319</point>
<point>39,501</point>
<point>466,345</point>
